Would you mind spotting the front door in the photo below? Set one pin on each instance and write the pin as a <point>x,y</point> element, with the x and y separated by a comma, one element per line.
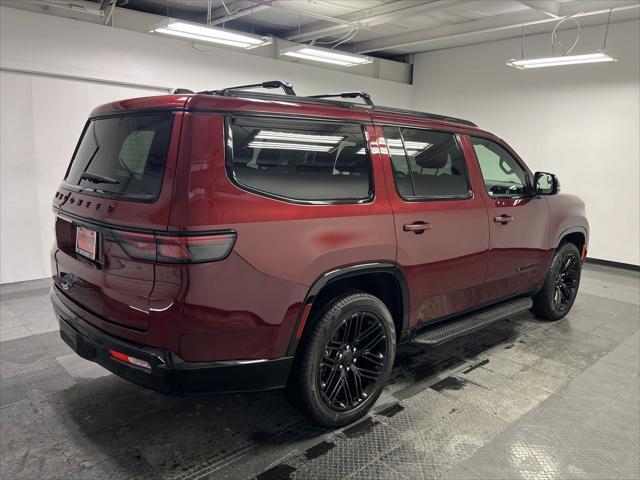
<point>518,221</point>
<point>441,224</point>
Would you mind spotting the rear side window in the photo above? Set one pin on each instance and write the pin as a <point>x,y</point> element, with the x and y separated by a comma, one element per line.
<point>300,160</point>
<point>426,164</point>
<point>123,156</point>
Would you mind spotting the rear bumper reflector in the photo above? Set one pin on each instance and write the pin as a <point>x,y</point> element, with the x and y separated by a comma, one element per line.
<point>123,357</point>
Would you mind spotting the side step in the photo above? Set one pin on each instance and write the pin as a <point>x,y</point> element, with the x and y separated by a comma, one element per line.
<point>448,330</point>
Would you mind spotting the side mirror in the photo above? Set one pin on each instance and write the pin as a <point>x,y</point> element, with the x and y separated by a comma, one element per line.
<point>546,183</point>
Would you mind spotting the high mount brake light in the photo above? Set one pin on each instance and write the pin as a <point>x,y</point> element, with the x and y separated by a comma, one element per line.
<point>209,247</point>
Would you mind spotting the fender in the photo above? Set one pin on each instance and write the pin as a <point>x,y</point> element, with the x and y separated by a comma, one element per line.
<point>567,231</point>
<point>340,274</point>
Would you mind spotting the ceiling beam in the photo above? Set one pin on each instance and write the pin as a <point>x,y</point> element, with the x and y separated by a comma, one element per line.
<point>278,5</point>
<point>382,14</point>
<point>549,7</point>
<point>219,17</point>
<point>505,22</point>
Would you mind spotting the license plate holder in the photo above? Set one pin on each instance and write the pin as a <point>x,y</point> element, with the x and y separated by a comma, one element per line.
<point>86,241</point>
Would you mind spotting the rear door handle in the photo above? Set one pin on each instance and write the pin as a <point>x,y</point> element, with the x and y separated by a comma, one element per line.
<point>416,227</point>
<point>503,219</point>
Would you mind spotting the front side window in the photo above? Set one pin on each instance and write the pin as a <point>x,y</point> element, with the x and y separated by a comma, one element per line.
<point>503,176</point>
<point>123,156</point>
<point>426,164</point>
<point>299,159</point>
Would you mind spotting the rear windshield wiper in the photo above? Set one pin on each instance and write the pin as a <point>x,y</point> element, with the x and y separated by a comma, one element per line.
<point>92,177</point>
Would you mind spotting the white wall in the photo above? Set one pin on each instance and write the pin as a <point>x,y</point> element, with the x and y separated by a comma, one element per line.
<point>55,70</point>
<point>581,121</point>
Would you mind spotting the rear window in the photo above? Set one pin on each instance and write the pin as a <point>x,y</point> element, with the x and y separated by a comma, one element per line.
<point>300,160</point>
<point>123,156</point>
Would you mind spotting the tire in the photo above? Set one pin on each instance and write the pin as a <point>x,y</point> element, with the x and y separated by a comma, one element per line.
<point>342,372</point>
<point>560,287</point>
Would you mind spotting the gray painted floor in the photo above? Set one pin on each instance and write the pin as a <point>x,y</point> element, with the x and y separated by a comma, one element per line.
<point>523,399</point>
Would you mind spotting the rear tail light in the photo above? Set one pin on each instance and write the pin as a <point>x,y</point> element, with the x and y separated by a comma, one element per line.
<point>177,248</point>
<point>138,245</point>
<point>123,357</point>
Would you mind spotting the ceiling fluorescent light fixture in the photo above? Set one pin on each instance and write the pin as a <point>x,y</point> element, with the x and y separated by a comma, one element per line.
<point>326,55</point>
<point>523,64</point>
<point>204,33</point>
<point>71,7</point>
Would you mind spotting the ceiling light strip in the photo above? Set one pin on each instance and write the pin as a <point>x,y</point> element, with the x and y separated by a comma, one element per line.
<point>524,63</point>
<point>204,33</point>
<point>326,55</point>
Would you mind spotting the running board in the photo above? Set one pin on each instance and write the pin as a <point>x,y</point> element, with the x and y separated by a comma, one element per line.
<point>445,331</point>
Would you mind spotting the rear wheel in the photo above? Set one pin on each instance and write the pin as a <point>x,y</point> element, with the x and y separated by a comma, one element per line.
<point>346,360</point>
<point>560,288</point>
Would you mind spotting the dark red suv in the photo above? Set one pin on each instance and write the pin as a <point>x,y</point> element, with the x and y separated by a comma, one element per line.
<point>233,240</point>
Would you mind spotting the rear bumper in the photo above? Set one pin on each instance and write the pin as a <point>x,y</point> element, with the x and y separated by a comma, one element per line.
<point>169,373</point>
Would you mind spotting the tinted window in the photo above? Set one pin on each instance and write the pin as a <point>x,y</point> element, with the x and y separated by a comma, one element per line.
<point>300,160</point>
<point>502,174</point>
<point>123,156</point>
<point>426,164</point>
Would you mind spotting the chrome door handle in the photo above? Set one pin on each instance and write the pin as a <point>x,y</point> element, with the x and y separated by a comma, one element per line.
<point>503,219</point>
<point>416,227</point>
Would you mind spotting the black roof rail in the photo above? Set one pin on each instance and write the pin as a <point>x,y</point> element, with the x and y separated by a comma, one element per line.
<point>366,98</point>
<point>323,98</point>
<point>182,91</point>
<point>430,116</point>
<point>286,86</point>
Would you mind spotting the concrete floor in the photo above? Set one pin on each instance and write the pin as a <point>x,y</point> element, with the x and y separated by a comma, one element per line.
<point>522,399</point>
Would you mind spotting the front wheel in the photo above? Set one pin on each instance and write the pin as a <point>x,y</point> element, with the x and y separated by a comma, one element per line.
<point>347,359</point>
<point>560,288</point>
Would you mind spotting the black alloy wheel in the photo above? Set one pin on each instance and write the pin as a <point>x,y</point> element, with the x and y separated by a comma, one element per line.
<point>560,288</point>
<point>344,360</point>
<point>566,285</point>
<point>353,359</point>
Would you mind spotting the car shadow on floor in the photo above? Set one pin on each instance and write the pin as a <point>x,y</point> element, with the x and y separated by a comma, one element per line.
<point>134,431</point>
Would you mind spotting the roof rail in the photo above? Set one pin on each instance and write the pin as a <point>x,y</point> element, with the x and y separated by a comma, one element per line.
<point>366,98</point>
<point>430,116</point>
<point>322,98</point>
<point>286,86</point>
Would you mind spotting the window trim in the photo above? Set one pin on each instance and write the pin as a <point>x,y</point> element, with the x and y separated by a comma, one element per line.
<point>429,198</point>
<point>517,159</point>
<point>229,157</point>
<point>96,192</point>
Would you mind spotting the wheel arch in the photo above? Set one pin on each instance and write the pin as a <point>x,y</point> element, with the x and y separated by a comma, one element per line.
<point>575,235</point>
<point>373,278</point>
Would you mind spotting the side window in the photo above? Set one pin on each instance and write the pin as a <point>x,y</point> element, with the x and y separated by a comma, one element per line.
<point>426,164</point>
<point>503,176</point>
<point>300,160</point>
<point>399,162</point>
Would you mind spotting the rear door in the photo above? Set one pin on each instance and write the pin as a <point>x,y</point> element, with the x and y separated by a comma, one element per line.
<point>519,220</point>
<point>116,193</point>
<point>440,223</point>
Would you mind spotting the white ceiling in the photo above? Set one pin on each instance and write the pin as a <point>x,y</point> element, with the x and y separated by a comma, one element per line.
<point>385,28</point>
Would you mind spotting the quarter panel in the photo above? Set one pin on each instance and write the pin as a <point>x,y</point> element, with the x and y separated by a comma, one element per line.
<point>290,241</point>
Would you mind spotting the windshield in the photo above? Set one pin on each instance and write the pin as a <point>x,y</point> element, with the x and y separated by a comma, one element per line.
<point>123,156</point>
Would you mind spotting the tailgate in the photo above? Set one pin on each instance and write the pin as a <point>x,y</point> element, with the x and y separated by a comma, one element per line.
<point>119,184</point>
